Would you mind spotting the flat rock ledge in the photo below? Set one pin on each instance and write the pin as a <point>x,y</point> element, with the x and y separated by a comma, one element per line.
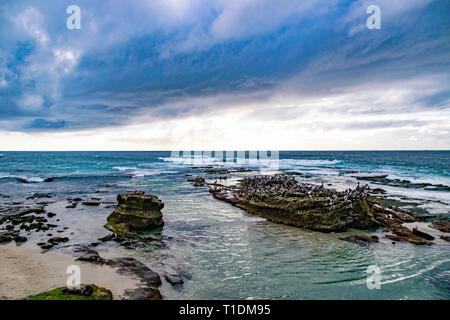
<point>135,211</point>
<point>149,280</point>
<point>282,199</point>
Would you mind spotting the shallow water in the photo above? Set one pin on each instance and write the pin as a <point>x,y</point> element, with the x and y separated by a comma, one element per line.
<point>224,253</point>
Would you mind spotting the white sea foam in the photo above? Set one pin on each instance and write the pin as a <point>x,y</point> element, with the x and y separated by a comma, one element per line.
<point>204,160</point>
<point>308,162</point>
<point>414,275</point>
<point>30,179</point>
<point>140,172</point>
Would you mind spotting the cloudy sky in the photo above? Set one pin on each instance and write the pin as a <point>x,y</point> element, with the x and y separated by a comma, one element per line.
<point>224,74</point>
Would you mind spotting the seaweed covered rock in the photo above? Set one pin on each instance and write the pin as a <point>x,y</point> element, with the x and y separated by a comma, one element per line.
<point>86,292</point>
<point>135,211</point>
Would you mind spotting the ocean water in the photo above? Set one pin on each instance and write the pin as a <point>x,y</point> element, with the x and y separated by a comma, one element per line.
<point>224,253</point>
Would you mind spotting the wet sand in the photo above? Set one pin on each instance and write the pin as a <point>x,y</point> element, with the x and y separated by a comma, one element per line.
<point>27,271</point>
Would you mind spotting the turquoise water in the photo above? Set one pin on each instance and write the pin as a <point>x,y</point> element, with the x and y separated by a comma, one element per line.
<point>224,253</point>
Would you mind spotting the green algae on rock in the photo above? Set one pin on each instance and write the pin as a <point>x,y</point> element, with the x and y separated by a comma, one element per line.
<point>136,211</point>
<point>64,293</point>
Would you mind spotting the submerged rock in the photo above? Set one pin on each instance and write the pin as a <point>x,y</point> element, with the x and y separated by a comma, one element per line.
<point>443,225</point>
<point>408,238</point>
<point>199,182</point>
<point>57,240</point>
<point>5,238</point>
<point>360,239</point>
<point>91,203</point>
<point>135,211</point>
<point>422,234</point>
<point>174,280</point>
<point>20,239</point>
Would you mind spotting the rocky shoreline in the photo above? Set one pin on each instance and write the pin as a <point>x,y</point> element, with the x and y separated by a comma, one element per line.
<point>135,211</point>
<point>282,199</point>
<point>279,198</point>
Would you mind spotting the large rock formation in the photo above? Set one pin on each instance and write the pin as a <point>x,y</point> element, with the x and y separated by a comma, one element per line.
<point>284,200</point>
<point>135,211</point>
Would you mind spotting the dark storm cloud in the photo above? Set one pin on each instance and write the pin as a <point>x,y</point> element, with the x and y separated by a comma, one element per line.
<point>162,59</point>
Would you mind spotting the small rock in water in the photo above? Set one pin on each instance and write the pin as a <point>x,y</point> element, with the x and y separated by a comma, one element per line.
<point>422,234</point>
<point>107,238</point>
<point>57,240</point>
<point>360,239</point>
<point>135,211</point>
<point>199,182</point>
<point>92,257</point>
<point>174,280</point>
<point>91,203</point>
<point>5,238</point>
<point>20,239</point>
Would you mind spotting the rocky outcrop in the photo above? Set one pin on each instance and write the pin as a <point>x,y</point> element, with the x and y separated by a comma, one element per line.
<point>442,225</point>
<point>198,181</point>
<point>282,199</point>
<point>174,280</point>
<point>149,279</point>
<point>135,211</point>
<point>93,257</point>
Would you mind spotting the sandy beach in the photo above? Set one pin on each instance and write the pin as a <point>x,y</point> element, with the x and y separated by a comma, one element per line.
<point>27,271</point>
